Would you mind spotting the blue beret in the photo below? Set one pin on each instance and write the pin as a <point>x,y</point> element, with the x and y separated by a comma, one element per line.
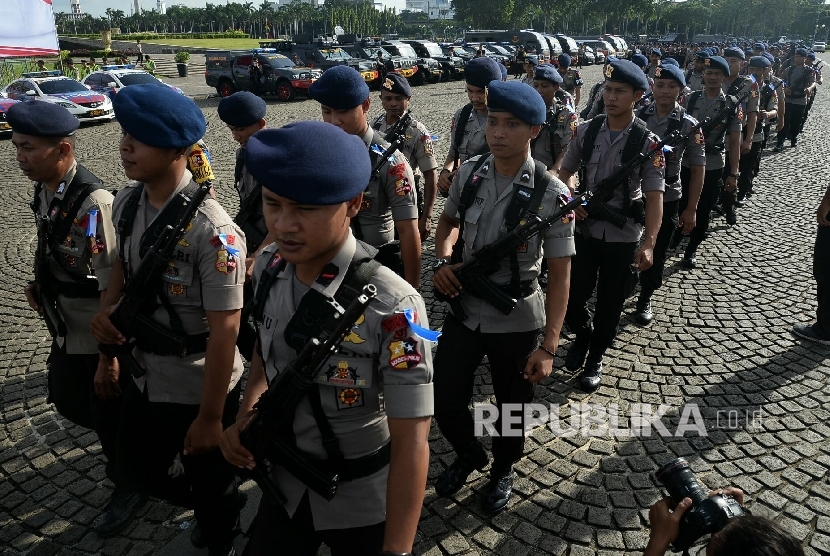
<point>748,52</point>
<point>657,51</point>
<point>768,56</point>
<point>811,55</point>
<point>479,72</point>
<point>340,87</point>
<point>668,71</point>
<point>718,63</point>
<point>241,109</point>
<point>703,54</point>
<point>286,161</point>
<point>734,52</point>
<point>519,99</point>
<point>759,62</point>
<point>41,119</point>
<point>624,71</point>
<point>396,84</point>
<point>546,72</point>
<point>800,51</point>
<point>159,116</point>
<point>760,46</point>
<point>532,59</point>
<point>503,70</point>
<point>639,60</point>
<point>564,60</point>
<point>669,62</point>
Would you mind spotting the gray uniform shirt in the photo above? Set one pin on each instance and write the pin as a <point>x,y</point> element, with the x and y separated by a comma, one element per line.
<point>744,86</point>
<point>484,224</point>
<point>706,108</point>
<point>418,148</point>
<point>245,186</point>
<point>606,158</point>
<point>389,197</point>
<point>694,81</point>
<point>202,276</point>
<point>691,152</point>
<point>571,79</point>
<point>798,79</point>
<point>771,104</point>
<point>381,370</point>
<point>81,255</point>
<point>474,138</point>
<point>554,140</point>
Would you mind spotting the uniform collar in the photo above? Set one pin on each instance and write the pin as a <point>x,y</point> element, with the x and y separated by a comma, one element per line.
<point>523,177</point>
<point>185,180</point>
<point>674,114</point>
<point>63,186</point>
<point>333,273</point>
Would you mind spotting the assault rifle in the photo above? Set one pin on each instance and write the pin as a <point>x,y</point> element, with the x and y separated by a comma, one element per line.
<point>474,273</point>
<point>264,435</point>
<point>397,137</point>
<point>143,285</point>
<point>45,293</point>
<point>243,219</point>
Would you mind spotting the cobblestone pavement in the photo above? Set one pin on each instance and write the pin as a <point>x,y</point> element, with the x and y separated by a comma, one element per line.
<point>720,339</point>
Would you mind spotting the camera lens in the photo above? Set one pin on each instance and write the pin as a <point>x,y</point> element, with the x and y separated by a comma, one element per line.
<point>680,481</point>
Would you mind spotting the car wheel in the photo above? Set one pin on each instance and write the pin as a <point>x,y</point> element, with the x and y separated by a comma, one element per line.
<point>419,78</point>
<point>225,88</point>
<point>285,91</point>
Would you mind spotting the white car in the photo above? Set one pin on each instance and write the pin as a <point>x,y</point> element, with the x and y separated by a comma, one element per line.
<point>819,46</point>
<point>111,79</point>
<point>52,86</point>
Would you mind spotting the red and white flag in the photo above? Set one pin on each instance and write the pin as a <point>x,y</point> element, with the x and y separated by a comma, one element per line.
<point>27,28</point>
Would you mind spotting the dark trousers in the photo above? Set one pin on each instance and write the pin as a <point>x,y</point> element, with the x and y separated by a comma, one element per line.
<point>274,533</point>
<point>652,279</point>
<point>712,186</point>
<point>71,389</point>
<point>605,266</point>
<point>821,272</point>
<point>460,351</point>
<point>150,436</point>
<point>793,121</point>
<point>747,165</point>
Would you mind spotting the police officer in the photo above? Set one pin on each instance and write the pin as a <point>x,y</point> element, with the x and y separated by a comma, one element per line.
<point>767,109</point>
<point>419,150</point>
<point>377,411</point>
<point>76,244</point>
<point>149,65</point>
<point>694,76</point>
<point>800,80</point>
<point>654,61</point>
<point>703,104</point>
<point>550,145</point>
<point>389,203</point>
<point>531,61</point>
<point>605,253</point>
<point>819,331</point>
<point>71,71</point>
<point>244,114</point>
<point>491,195</point>
<point>571,78</point>
<point>467,130</point>
<point>181,404</point>
<point>663,117</point>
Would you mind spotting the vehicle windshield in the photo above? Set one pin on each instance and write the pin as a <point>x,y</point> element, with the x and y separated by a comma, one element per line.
<point>57,86</point>
<point>498,49</point>
<point>134,79</point>
<point>335,54</point>
<point>404,50</point>
<point>280,62</point>
<point>433,49</point>
<point>373,51</point>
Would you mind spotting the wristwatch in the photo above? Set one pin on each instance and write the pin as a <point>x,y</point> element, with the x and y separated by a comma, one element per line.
<point>736,176</point>
<point>439,263</point>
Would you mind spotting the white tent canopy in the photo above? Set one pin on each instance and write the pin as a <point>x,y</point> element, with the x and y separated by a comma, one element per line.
<point>27,28</point>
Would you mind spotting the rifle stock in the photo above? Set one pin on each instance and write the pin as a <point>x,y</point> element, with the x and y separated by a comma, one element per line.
<point>264,436</point>
<point>45,296</point>
<point>397,134</point>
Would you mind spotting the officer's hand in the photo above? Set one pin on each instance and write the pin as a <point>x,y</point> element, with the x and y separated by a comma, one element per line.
<point>32,297</point>
<point>746,146</point>
<point>235,453</point>
<point>539,366</point>
<point>102,328</point>
<point>249,268</point>
<point>644,258</point>
<point>425,226</point>
<point>581,213</point>
<point>665,524</point>
<point>779,126</point>
<point>823,212</point>
<point>445,181</point>
<point>446,282</point>
<point>687,221</point>
<point>730,184</point>
<point>202,436</point>
<point>788,91</point>
<point>106,379</point>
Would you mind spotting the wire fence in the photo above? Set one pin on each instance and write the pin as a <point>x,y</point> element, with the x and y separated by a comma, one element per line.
<point>13,68</point>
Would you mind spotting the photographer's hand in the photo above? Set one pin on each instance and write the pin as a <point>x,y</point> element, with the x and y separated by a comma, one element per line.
<point>665,525</point>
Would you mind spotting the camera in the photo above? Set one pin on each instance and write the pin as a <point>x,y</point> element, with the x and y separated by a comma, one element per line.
<point>707,515</point>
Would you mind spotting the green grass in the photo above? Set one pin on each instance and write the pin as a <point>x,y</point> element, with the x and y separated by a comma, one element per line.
<point>229,44</point>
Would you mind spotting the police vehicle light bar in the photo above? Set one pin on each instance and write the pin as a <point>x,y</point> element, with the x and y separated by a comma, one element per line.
<point>118,66</point>
<point>52,73</point>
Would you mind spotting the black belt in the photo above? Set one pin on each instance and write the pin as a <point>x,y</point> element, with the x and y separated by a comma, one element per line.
<point>88,288</point>
<point>796,96</point>
<point>672,179</point>
<point>179,347</point>
<point>714,149</point>
<point>353,469</point>
<point>525,289</point>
